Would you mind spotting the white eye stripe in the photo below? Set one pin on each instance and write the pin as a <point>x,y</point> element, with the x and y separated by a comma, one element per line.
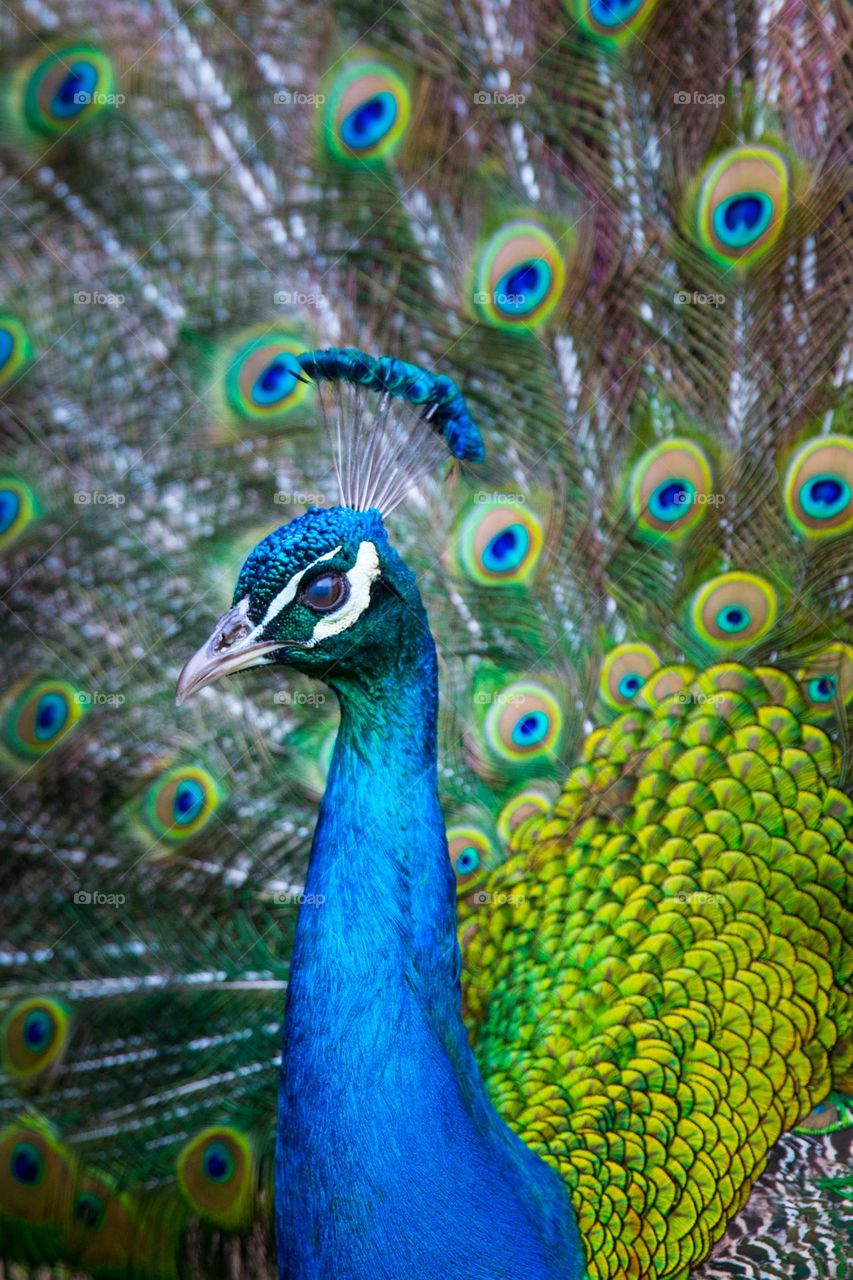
<point>287,594</point>
<point>361,577</point>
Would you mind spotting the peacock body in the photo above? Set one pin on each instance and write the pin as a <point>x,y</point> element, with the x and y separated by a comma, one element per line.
<point>505,350</point>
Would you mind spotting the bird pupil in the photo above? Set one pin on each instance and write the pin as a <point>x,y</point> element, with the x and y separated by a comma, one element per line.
<point>325,592</point>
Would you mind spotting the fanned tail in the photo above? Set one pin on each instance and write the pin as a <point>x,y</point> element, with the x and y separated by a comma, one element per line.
<point>620,232</point>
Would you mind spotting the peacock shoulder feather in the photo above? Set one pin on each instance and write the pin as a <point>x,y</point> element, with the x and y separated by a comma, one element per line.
<point>658,990</point>
<point>560,290</point>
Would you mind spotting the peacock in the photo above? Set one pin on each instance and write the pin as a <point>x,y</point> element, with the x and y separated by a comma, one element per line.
<point>484,370</point>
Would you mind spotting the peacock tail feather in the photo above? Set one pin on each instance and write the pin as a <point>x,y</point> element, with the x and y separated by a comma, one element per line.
<point>619,231</point>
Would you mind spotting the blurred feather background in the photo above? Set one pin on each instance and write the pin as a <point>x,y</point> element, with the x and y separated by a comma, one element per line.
<point>623,230</point>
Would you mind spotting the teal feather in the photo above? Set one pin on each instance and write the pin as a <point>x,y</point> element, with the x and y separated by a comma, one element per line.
<point>220,202</point>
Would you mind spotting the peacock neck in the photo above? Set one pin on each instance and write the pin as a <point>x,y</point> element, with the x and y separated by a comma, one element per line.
<point>379,857</point>
<point>390,1158</point>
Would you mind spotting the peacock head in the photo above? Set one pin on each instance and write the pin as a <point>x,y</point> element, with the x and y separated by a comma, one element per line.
<point>326,594</point>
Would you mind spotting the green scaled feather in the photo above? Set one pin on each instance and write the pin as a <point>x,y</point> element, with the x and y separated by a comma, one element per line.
<point>621,231</point>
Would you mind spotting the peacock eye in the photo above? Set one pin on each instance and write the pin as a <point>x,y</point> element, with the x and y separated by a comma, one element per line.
<point>89,1210</point>
<point>326,592</point>
<point>26,1164</point>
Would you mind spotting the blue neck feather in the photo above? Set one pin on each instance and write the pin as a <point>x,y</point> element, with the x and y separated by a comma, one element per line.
<point>391,1161</point>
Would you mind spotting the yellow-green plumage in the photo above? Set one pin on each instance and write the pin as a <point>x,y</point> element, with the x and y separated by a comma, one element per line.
<point>656,993</point>
<point>654,981</point>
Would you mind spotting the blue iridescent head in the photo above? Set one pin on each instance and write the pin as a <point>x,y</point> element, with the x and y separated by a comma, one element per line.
<point>326,594</point>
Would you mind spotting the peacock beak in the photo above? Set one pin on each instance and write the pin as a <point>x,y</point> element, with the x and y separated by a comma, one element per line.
<point>232,646</point>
